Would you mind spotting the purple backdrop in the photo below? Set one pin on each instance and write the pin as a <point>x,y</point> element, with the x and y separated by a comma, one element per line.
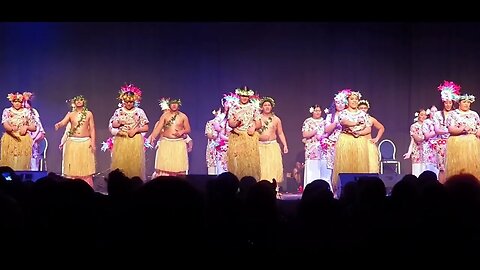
<point>397,66</point>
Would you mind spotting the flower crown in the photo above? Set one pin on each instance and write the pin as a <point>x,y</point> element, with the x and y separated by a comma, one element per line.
<point>75,98</point>
<point>312,109</point>
<point>230,99</point>
<point>467,97</point>
<point>216,112</point>
<point>267,99</point>
<point>27,96</point>
<point>165,103</point>
<point>130,93</point>
<point>245,91</point>
<point>255,100</point>
<point>364,102</point>
<point>176,100</point>
<point>342,96</point>
<point>417,113</point>
<point>15,97</point>
<point>449,91</point>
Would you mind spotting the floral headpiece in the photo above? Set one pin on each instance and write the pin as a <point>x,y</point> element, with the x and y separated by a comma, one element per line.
<point>75,98</point>
<point>417,113</point>
<point>245,91</point>
<point>130,93</point>
<point>27,96</point>
<point>164,104</point>
<point>15,97</point>
<point>449,91</point>
<point>364,102</point>
<point>312,109</point>
<point>267,99</point>
<point>255,100</point>
<point>342,96</point>
<point>467,97</point>
<point>230,99</point>
<point>349,92</point>
<point>175,101</point>
<point>217,112</point>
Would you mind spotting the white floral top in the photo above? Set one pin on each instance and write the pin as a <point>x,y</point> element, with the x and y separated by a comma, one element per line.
<point>17,118</point>
<point>38,123</point>
<point>354,117</point>
<point>428,155</point>
<point>312,145</point>
<point>459,118</point>
<point>246,113</point>
<point>210,151</point>
<point>440,120</point>
<point>416,154</point>
<point>336,132</point>
<point>135,117</point>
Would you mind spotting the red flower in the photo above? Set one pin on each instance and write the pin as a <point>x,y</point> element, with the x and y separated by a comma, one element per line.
<point>218,147</point>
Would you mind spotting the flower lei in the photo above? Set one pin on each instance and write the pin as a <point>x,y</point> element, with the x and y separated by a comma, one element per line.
<point>171,121</point>
<point>108,145</point>
<point>83,116</point>
<point>219,146</point>
<point>265,125</point>
<point>326,143</point>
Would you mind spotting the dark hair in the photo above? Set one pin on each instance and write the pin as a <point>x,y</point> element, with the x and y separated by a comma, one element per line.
<point>332,110</point>
<point>421,109</point>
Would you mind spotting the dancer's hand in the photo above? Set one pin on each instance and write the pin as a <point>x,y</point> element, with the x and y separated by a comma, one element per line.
<point>57,126</point>
<point>251,130</point>
<point>131,133</point>
<point>406,156</point>
<point>150,140</point>
<point>93,146</point>
<point>285,149</point>
<point>374,140</point>
<point>60,146</point>
<point>178,133</point>
<point>23,130</point>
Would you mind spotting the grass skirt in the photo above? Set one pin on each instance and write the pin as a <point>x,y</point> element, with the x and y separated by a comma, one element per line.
<point>172,156</point>
<point>128,155</point>
<point>271,164</point>
<point>78,158</point>
<point>463,155</point>
<point>16,153</point>
<point>243,155</point>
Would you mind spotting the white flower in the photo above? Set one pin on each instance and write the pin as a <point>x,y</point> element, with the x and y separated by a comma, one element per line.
<point>104,146</point>
<point>311,110</point>
<point>327,111</point>
<point>147,144</point>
